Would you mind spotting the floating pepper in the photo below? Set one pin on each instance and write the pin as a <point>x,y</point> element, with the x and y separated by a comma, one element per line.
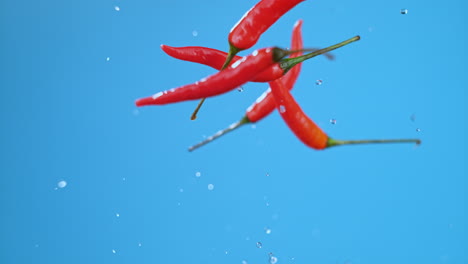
<point>234,76</point>
<point>215,59</point>
<point>254,23</point>
<point>306,130</point>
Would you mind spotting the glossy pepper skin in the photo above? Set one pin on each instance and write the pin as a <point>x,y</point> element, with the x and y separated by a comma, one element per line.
<point>265,104</point>
<point>216,58</point>
<point>300,124</point>
<point>232,77</point>
<point>257,20</point>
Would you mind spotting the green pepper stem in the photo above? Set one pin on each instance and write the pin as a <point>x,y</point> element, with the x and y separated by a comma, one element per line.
<point>334,142</point>
<point>288,63</point>
<point>232,52</point>
<point>233,126</point>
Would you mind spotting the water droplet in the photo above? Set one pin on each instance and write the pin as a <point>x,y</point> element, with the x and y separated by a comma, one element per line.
<point>194,33</point>
<point>418,130</point>
<point>62,184</point>
<point>267,231</point>
<point>113,251</point>
<point>240,89</point>
<point>139,244</point>
<point>267,174</point>
<point>333,121</point>
<point>259,244</point>
<point>117,8</point>
<point>108,59</point>
<point>272,259</point>
<point>210,187</point>
<point>318,82</point>
<point>404,11</point>
<point>253,126</point>
<point>117,215</point>
<point>197,174</point>
<point>244,262</point>
<point>181,190</point>
<point>282,109</point>
<point>124,179</point>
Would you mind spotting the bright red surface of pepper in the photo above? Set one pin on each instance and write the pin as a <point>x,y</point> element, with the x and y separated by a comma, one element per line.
<point>299,123</point>
<point>257,20</point>
<point>235,75</point>
<point>265,104</point>
<point>216,58</point>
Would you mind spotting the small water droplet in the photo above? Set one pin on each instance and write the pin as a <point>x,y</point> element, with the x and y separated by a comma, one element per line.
<point>259,244</point>
<point>267,231</point>
<point>113,251</point>
<point>267,204</point>
<point>124,179</point>
<point>197,174</point>
<point>253,126</point>
<point>139,244</point>
<point>226,252</point>
<point>244,262</point>
<point>181,190</point>
<point>404,11</point>
<point>117,215</point>
<point>240,89</point>
<point>210,187</point>
<point>108,59</point>
<point>117,8</point>
<point>272,258</point>
<point>318,82</point>
<point>282,109</point>
<point>267,174</point>
<point>418,130</point>
<point>62,184</point>
<point>333,121</point>
<point>194,33</point>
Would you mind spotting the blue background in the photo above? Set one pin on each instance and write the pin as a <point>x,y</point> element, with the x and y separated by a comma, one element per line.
<point>132,193</point>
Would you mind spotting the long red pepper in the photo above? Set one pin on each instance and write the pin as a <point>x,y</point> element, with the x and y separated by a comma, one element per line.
<point>246,32</point>
<point>215,59</point>
<point>234,76</point>
<point>255,22</point>
<point>265,104</point>
<point>305,129</point>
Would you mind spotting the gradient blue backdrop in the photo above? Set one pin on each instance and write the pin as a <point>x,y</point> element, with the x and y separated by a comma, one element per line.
<point>71,70</point>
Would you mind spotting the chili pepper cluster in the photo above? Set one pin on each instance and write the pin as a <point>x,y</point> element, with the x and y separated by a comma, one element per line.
<point>262,65</point>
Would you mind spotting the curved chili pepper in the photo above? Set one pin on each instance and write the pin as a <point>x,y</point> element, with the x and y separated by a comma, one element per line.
<point>215,59</point>
<point>235,75</point>
<point>254,23</point>
<point>305,129</point>
<point>265,104</point>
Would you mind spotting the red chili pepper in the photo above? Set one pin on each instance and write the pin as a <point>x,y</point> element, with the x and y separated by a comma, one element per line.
<point>305,129</point>
<point>215,59</point>
<point>255,22</point>
<point>235,75</point>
